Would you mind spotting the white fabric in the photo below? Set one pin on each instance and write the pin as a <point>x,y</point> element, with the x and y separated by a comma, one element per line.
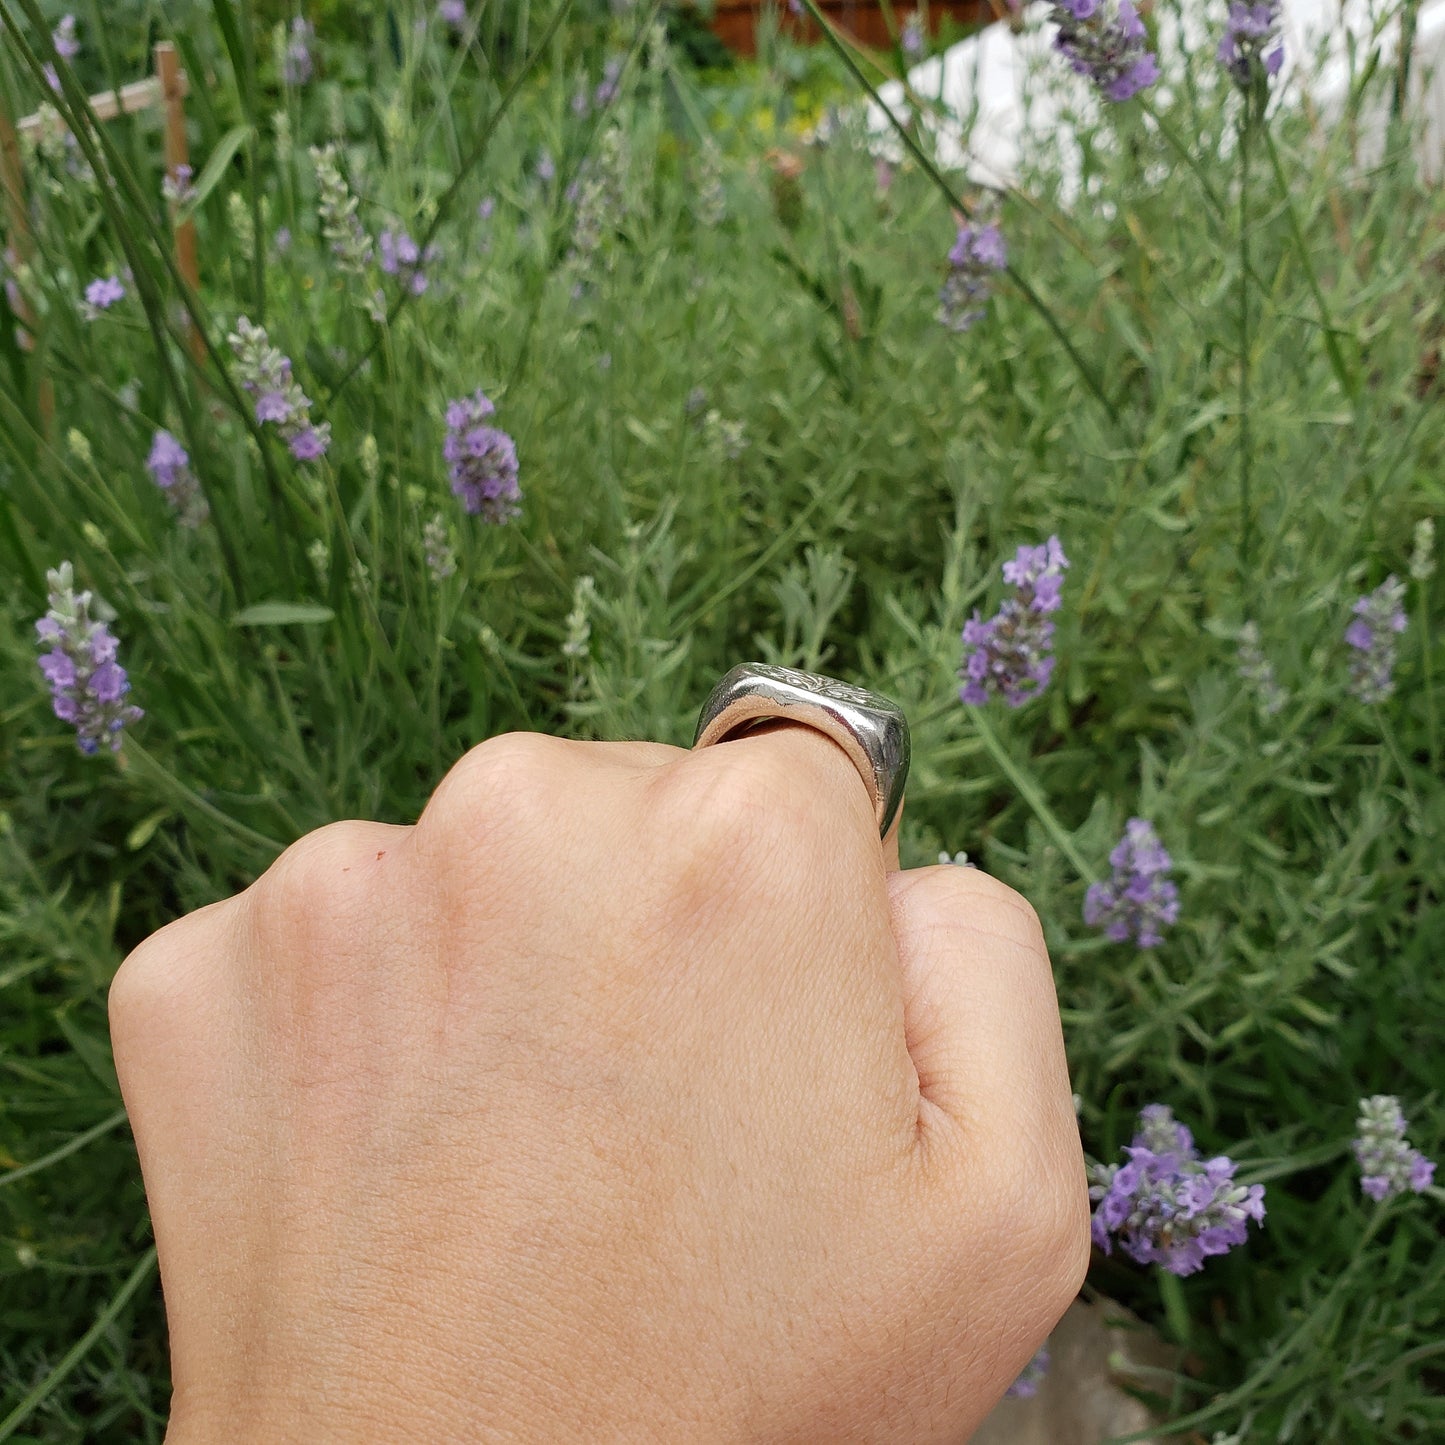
<point>1012,103</point>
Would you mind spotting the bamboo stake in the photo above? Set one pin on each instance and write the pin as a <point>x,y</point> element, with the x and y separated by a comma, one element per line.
<point>173,91</point>
<point>138,95</point>
<point>22,249</point>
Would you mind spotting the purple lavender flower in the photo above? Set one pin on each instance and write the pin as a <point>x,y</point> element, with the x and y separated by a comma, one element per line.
<point>978,252</point>
<point>1008,655</point>
<point>436,542</point>
<point>336,206</point>
<point>607,87</point>
<point>481,460</point>
<point>1139,900</point>
<point>546,167</point>
<point>1249,34</point>
<point>1167,1205</point>
<point>453,13</point>
<point>63,38</point>
<point>1027,1384</point>
<point>296,65</point>
<point>307,443</point>
<point>266,374</point>
<point>1105,41</point>
<point>170,467</point>
<point>1388,1165</point>
<point>485,207</point>
<point>101,294</point>
<point>86,682</point>
<point>282,241</point>
<point>1256,670</point>
<point>910,38</point>
<point>1378,615</point>
<point>403,258</point>
<point>177,185</point>
<point>52,76</point>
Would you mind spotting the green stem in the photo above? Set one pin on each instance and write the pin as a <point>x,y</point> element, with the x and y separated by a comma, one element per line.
<point>1025,786</point>
<point>192,799</point>
<point>1346,377</point>
<point>1246,125</point>
<point>1300,1335</point>
<point>1087,374</point>
<point>78,1351</point>
<point>71,1146</point>
<point>1186,154</point>
<point>1427,643</point>
<point>473,157</point>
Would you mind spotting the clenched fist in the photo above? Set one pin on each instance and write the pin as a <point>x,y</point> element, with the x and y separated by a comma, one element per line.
<point>632,1095</point>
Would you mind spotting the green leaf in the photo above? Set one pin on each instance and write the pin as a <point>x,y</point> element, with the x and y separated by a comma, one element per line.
<point>215,167</point>
<point>94,1053</point>
<point>144,831</point>
<point>281,614</point>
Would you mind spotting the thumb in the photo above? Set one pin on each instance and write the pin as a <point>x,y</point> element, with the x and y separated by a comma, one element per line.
<point>981,1016</point>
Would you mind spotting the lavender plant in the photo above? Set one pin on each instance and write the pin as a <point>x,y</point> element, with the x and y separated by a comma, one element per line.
<point>1378,616</point>
<point>87,683</point>
<point>1105,40</point>
<point>266,374</point>
<point>481,460</point>
<point>1388,1165</point>
<point>977,255</point>
<point>1167,1205</point>
<point>1139,901</point>
<point>1010,654</point>
<point>170,467</point>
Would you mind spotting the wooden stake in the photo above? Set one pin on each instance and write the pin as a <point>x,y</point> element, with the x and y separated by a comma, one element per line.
<point>173,93</point>
<point>22,249</point>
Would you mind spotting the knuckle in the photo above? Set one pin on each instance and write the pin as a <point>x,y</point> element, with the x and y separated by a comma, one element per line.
<point>505,783</point>
<point>725,816</point>
<point>159,975</point>
<point>309,875</point>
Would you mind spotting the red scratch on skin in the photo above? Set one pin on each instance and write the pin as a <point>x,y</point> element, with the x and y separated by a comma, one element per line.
<point>381,853</point>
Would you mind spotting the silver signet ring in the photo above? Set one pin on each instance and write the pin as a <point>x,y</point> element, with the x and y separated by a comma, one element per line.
<point>868,727</point>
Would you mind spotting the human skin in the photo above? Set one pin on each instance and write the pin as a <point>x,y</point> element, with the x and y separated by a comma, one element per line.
<point>633,1094</point>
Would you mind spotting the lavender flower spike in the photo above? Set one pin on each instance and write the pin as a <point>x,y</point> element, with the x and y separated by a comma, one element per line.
<point>1251,42</point>
<point>1008,655</point>
<point>1139,900</point>
<point>1105,41</point>
<point>63,38</point>
<point>101,294</point>
<point>481,460</point>
<point>266,374</point>
<point>1377,615</point>
<point>978,252</point>
<point>336,206</point>
<point>403,258</point>
<point>296,65</point>
<point>170,467</point>
<point>86,682</point>
<point>1167,1206</point>
<point>1388,1165</point>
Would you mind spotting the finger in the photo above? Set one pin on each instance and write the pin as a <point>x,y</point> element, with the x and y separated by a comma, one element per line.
<point>890,843</point>
<point>809,752</point>
<point>980,1013</point>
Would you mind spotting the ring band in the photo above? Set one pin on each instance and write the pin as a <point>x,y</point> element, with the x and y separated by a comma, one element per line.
<point>870,728</point>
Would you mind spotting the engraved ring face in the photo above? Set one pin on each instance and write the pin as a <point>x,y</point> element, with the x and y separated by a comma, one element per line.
<point>867,726</point>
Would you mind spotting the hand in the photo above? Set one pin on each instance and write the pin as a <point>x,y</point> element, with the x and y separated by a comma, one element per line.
<point>628,1096</point>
